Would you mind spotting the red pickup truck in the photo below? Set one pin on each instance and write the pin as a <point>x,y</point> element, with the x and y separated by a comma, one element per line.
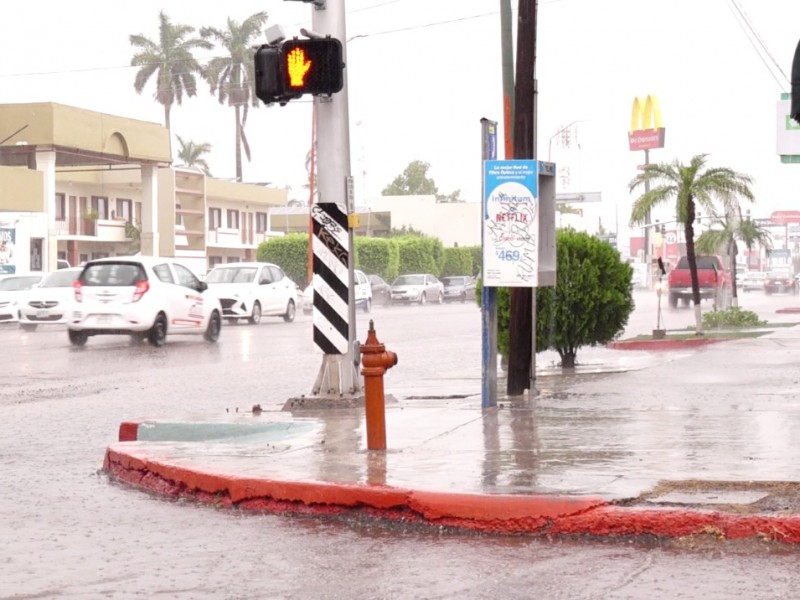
<point>714,279</point>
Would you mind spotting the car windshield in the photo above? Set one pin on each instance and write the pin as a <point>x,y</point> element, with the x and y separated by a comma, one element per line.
<point>778,275</point>
<point>375,279</point>
<point>451,281</point>
<point>232,275</point>
<point>754,276</point>
<point>15,284</point>
<point>409,280</point>
<point>60,279</point>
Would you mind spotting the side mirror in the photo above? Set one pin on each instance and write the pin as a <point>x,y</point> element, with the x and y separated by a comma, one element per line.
<point>202,286</point>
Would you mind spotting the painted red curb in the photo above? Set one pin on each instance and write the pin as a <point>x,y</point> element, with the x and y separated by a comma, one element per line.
<point>128,431</point>
<point>519,514</point>
<point>664,344</point>
<point>790,310</point>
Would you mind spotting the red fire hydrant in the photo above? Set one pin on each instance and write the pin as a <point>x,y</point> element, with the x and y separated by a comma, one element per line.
<point>375,361</point>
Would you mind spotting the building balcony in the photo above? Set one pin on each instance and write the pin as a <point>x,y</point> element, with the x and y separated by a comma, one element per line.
<point>103,230</point>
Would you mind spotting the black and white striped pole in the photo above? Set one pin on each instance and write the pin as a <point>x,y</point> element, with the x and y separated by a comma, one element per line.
<point>333,247</point>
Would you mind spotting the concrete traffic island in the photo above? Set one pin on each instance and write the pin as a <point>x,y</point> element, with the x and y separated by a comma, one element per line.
<point>280,466</point>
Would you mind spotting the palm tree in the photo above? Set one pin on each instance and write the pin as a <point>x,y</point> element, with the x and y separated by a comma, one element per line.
<point>191,154</point>
<point>171,60</point>
<point>725,232</point>
<point>689,186</point>
<point>232,77</point>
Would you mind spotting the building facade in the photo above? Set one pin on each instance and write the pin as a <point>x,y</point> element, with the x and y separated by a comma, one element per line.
<point>78,185</point>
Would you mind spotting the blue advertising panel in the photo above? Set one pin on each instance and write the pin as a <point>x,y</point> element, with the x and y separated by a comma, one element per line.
<point>510,223</point>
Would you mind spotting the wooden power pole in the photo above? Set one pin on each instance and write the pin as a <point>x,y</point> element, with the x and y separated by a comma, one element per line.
<point>520,357</point>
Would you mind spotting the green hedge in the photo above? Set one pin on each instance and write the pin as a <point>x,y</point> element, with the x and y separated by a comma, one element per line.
<point>457,261</point>
<point>388,257</point>
<point>289,252</point>
<point>377,255</point>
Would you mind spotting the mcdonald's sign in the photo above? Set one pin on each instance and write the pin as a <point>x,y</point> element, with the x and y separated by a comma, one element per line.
<point>646,131</point>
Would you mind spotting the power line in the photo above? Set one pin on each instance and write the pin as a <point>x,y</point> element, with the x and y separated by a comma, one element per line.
<point>749,29</point>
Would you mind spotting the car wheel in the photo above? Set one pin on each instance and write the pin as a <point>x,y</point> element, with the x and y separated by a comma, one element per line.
<point>255,316</point>
<point>440,299</point>
<point>157,335</point>
<point>463,297</point>
<point>28,326</point>
<point>215,326</point>
<point>367,305</point>
<point>288,316</point>
<point>673,300</point>
<point>78,338</point>
<point>423,298</point>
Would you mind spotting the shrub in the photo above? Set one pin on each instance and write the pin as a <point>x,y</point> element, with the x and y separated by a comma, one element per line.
<point>731,317</point>
<point>419,254</point>
<point>289,252</point>
<point>589,305</point>
<point>457,261</point>
<point>377,255</point>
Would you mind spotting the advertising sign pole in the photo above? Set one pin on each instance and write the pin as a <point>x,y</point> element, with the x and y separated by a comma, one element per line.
<point>488,294</point>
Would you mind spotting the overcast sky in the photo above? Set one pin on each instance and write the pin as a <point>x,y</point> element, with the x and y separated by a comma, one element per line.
<point>422,73</point>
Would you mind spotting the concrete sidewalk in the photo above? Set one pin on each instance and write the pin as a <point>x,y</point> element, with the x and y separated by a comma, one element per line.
<point>693,441</point>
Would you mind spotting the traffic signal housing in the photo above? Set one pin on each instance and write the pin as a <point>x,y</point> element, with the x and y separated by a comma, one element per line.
<point>299,66</point>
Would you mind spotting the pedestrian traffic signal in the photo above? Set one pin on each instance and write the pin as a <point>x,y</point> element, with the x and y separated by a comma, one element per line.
<point>299,66</point>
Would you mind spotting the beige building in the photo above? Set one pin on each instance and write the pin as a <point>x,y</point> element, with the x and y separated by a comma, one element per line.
<point>77,185</point>
<point>454,223</point>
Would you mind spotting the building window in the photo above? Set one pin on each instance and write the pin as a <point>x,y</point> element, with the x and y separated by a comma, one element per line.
<point>124,210</point>
<point>61,207</point>
<point>213,261</point>
<point>233,219</point>
<point>100,206</point>
<point>214,219</point>
<point>261,222</point>
<point>178,215</point>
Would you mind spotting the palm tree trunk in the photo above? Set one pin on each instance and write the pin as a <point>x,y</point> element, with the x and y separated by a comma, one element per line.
<point>691,257</point>
<point>166,116</point>
<point>733,251</point>
<point>238,144</point>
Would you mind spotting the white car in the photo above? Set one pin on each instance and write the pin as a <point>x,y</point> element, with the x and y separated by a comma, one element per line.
<point>250,290</point>
<point>49,301</point>
<point>12,291</point>
<point>144,297</point>
<point>362,293</point>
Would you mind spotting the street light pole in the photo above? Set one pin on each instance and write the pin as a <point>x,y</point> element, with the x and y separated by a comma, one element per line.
<point>563,129</point>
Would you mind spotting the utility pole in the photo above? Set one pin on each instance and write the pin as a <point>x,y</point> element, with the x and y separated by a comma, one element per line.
<point>522,350</point>
<point>334,183</point>
<point>508,77</point>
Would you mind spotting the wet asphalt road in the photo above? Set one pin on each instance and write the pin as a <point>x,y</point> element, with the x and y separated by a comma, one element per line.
<point>67,532</point>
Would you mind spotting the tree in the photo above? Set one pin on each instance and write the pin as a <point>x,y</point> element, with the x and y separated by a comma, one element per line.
<point>232,77</point>
<point>591,301</point>
<point>723,234</point>
<point>589,305</point>
<point>171,60</point>
<point>191,154</point>
<point>413,181</point>
<point>689,186</point>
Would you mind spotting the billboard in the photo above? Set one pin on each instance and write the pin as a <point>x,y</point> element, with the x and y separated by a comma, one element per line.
<point>787,131</point>
<point>647,131</point>
<point>8,238</point>
<point>511,223</point>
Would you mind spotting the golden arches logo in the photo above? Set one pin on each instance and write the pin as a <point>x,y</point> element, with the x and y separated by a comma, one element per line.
<point>647,131</point>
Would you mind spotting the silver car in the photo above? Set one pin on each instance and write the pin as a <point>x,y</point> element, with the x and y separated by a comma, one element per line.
<point>417,288</point>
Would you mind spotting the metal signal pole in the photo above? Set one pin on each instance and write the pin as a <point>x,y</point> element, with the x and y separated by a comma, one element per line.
<point>338,373</point>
